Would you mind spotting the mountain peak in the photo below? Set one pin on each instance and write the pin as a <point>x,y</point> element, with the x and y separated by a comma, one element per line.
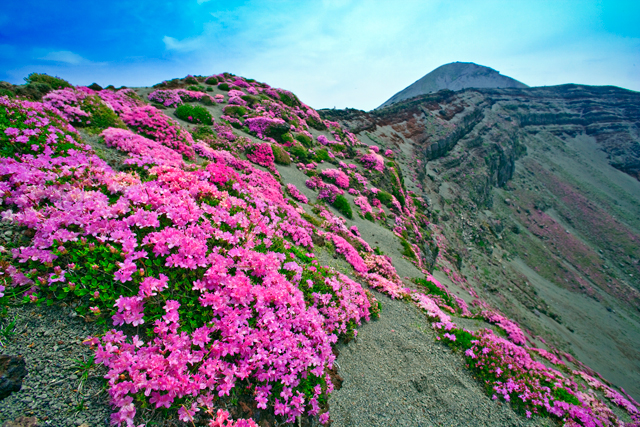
<point>455,76</point>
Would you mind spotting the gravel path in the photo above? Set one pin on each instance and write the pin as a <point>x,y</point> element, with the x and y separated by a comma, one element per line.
<point>396,374</point>
<point>50,339</point>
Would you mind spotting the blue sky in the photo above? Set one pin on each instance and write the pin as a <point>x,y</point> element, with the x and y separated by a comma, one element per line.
<point>332,53</point>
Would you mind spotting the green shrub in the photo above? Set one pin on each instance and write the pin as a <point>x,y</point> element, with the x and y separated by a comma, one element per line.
<point>305,140</point>
<point>287,138</point>
<point>54,82</point>
<point>289,99</point>
<point>102,117</point>
<point>300,152</point>
<point>209,89</point>
<point>235,111</point>
<point>194,114</point>
<point>369,216</point>
<point>281,156</point>
<point>6,92</point>
<point>197,88</point>
<point>95,86</point>
<point>433,289</point>
<point>407,250</point>
<point>203,132</point>
<point>277,132</point>
<point>342,205</point>
<point>384,197</point>
<point>213,80</point>
<point>318,125</point>
<point>398,195</point>
<point>251,99</point>
<point>223,86</point>
<point>322,154</point>
<point>191,80</point>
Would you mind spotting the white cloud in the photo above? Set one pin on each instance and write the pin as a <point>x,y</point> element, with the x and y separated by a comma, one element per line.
<point>65,56</point>
<point>186,45</point>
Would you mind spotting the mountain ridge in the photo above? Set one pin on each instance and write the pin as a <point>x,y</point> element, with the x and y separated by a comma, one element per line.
<point>454,76</point>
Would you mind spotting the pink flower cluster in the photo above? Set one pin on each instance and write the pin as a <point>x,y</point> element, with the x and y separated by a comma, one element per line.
<point>261,124</point>
<point>373,161</point>
<point>510,327</point>
<point>177,97</point>
<point>152,123</point>
<point>329,192</point>
<point>340,178</point>
<point>296,194</point>
<point>141,150</point>
<point>363,203</point>
<point>350,253</point>
<point>261,154</point>
<point>68,101</point>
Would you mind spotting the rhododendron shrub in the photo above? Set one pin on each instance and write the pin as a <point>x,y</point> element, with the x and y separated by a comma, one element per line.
<point>510,327</point>
<point>209,260</point>
<point>373,161</point>
<point>152,123</point>
<point>177,97</point>
<point>261,125</point>
<point>296,194</point>
<point>141,150</point>
<point>336,176</point>
<point>261,154</point>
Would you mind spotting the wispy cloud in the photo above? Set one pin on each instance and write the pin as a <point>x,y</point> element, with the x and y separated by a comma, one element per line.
<point>64,56</point>
<point>186,45</point>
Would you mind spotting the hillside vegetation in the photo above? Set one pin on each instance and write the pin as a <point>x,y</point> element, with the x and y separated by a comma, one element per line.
<point>225,238</point>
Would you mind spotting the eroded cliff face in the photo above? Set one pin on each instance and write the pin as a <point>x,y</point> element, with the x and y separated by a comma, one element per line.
<point>537,191</point>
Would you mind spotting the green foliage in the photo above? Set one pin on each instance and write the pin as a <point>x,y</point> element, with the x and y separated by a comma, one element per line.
<point>235,111</point>
<point>342,205</point>
<point>53,82</point>
<point>278,133</point>
<point>305,140</point>
<point>102,117</point>
<point>95,86</point>
<point>318,125</point>
<point>463,339</point>
<point>7,331</point>
<point>213,80</point>
<point>280,155</point>
<point>194,114</point>
<point>562,394</point>
<point>251,99</point>
<point>384,197</point>
<point>369,216</point>
<point>223,86</point>
<point>407,250</point>
<point>322,154</point>
<point>198,88</point>
<point>203,132</point>
<point>287,138</point>
<point>399,195</point>
<point>433,289</point>
<point>289,99</point>
<point>191,80</point>
<point>7,92</point>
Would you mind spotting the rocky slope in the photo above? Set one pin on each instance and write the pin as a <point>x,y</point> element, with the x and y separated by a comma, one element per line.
<point>537,192</point>
<point>455,76</point>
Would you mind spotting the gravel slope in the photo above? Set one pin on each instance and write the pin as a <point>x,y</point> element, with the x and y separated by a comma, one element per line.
<point>396,374</point>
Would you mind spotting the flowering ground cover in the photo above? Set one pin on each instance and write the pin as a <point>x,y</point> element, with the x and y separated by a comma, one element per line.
<point>204,274</point>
